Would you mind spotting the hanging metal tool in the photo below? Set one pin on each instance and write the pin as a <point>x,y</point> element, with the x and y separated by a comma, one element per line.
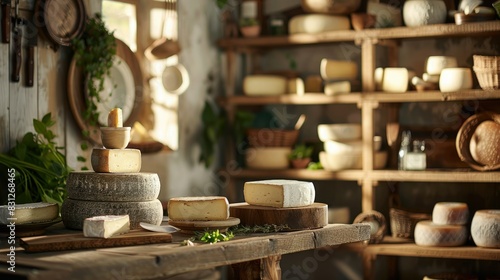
<point>17,35</point>
<point>30,62</point>
<point>6,21</point>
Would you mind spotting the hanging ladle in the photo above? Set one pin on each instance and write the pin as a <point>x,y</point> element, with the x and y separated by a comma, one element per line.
<point>164,47</point>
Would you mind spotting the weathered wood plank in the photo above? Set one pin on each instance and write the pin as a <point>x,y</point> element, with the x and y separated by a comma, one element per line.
<point>4,98</point>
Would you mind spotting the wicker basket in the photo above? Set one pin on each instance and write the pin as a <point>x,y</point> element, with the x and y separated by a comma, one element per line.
<point>487,69</point>
<point>403,222</point>
<point>269,137</point>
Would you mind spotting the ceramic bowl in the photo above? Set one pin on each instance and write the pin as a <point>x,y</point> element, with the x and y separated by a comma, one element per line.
<point>175,79</point>
<point>342,161</point>
<point>436,63</point>
<point>424,12</point>
<point>339,132</point>
<point>336,147</point>
<point>250,31</point>
<point>267,157</point>
<point>455,79</point>
<point>115,137</point>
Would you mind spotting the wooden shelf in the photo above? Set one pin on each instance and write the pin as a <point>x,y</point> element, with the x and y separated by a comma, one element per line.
<point>452,176</point>
<point>428,31</point>
<point>356,98</point>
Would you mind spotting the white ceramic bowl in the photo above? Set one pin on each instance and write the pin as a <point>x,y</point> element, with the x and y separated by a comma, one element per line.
<point>265,85</point>
<point>436,63</point>
<point>267,157</point>
<point>115,137</point>
<point>424,12</point>
<point>336,147</point>
<point>455,79</point>
<point>336,162</point>
<point>339,132</point>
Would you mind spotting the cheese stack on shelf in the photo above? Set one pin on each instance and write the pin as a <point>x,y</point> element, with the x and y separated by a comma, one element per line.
<point>447,228</point>
<point>116,187</point>
<point>280,202</point>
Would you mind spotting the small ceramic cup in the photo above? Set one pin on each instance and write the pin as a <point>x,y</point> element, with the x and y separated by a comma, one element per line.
<point>455,79</point>
<point>115,137</point>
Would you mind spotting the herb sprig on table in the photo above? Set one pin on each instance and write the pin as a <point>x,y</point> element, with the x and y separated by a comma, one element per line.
<point>214,236</point>
<point>41,169</point>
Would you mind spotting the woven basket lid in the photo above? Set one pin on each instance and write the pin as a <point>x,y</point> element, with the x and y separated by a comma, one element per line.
<point>469,137</point>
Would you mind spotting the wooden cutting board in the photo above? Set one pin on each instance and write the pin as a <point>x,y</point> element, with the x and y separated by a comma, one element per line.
<point>75,241</point>
<point>297,218</point>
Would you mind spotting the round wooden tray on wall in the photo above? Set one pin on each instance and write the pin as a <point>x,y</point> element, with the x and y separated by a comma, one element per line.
<point>62,21</point>
<point>77,92</point>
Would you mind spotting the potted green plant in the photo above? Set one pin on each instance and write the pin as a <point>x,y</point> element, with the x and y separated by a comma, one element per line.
<point>300,156</point>
<point>250,27</point>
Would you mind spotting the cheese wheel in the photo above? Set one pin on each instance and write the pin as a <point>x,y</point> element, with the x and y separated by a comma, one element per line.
<point>333,88</point>
<point>29,213</point>
<point>264,85</point>
<point>395,79</point>
<point>317,23</point>
<point>116,160</point>
<point>296,85</point>
<point>450,213</point>
<point>106,226</point>
<point>279,193</point>
<point>74,212</point>
<point>86,185</point>
<point>331,69</point>
<point>485,228</point>
<point>201,208</point>
<point>428,233</point>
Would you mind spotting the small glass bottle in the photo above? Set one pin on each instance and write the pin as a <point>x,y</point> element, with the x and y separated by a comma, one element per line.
<point>404,149</point>
<point>416,160</point>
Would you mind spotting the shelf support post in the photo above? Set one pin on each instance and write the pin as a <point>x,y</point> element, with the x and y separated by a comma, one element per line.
<point>368,64</point>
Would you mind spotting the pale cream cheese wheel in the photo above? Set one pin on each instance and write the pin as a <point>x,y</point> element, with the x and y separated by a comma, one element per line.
<point>485,228</point>
<point>450,213</point>
<point>430,234</point>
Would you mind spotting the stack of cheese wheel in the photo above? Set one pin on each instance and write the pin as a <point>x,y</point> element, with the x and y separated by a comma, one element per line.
<point>280,202</point>
<point>338,75</point>
<point>116,187</point>
<point>447,227</point>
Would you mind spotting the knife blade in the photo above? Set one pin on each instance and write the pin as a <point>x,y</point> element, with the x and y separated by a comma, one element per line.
<point>30,62</point>
<point>5,21</point>
<point>17,35</point>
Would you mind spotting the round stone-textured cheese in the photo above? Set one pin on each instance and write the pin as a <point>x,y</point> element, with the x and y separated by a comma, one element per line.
<point>428,233</point>
<point>485,228</point>
<point>74,212</point>
<point>113,186</point>
<point>450,213</point>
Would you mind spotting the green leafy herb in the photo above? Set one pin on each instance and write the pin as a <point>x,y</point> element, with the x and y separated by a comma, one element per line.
<point>301,151</point>
<point>212,236</point>
<point>41,169</point>
<point>267,228</point>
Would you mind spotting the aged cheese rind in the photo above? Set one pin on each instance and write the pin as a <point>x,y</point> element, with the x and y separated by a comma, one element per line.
<point>428,233</point>
<point>450,213</point>
<point>87,185</point>
<point>29,213</point>
<point>106,226</point>
<point>264,85</point>
<point>485,228</point>
<point>116,160</point>
<point>279,193</point>
<point>201,208</point>
<point>74,212</point>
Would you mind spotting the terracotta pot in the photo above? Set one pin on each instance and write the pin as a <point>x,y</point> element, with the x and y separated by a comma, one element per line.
<point>250,31</point>
<point>300,163</point>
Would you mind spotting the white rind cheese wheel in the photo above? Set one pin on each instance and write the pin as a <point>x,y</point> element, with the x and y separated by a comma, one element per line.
<point>279,193</point>
<point>74,212</point>
<point>450,213</point>
<point>428,233</point>
<point>198,208</point>
<point>265,85</point>
<point>485,228</point>
<point>317,23</point>
<point>113,187</point>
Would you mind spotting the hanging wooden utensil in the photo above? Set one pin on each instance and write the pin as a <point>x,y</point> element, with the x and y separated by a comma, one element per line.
<point>164,47</point>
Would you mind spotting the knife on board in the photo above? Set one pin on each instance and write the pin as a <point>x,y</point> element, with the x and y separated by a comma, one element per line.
<point>30,62</point>
<point>17,35</point>
<point>6,21</point>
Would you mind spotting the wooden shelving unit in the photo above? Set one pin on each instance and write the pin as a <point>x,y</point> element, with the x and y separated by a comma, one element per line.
<point>367,101</point>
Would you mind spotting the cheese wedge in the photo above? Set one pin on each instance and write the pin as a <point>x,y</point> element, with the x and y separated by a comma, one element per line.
<point>116,160</point>
<point>106,226</point>
<point>115,118</point>
<point>29,213</point>
<point>198,208</point>
<point>279,193</point>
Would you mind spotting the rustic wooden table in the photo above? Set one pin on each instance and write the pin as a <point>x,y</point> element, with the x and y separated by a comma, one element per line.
<point>255,256</point>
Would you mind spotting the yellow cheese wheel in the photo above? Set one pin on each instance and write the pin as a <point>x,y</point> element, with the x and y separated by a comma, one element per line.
<point>317,23</point>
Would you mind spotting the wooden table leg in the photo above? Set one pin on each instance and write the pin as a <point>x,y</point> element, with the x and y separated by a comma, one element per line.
<point>263,269</point>
<point>368,265</point>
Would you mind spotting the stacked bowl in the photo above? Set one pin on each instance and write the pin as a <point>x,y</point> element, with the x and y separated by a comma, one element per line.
<point>342,146</point>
